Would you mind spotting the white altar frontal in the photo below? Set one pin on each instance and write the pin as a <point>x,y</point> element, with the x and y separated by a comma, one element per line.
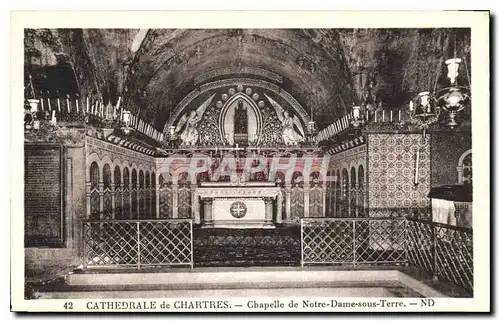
<point>244,205</point>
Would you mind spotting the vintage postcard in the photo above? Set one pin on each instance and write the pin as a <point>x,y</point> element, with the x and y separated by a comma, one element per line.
<point>300,161</point>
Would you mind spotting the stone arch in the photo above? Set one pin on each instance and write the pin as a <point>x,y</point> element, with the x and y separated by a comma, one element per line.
<point>94,175</point>
<point>460,166</point>
<point>93,157</point>
<point>298,109</point>
<point>107,175</point>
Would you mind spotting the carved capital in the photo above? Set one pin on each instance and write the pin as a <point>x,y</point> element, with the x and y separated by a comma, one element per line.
<point>268,200</point>
<point>207,200</point>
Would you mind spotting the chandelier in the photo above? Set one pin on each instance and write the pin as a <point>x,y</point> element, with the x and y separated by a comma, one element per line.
<point>454,98</point>
<point>426,108</point>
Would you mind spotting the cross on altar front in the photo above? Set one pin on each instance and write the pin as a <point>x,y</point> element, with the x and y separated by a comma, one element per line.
<point>238,209</point>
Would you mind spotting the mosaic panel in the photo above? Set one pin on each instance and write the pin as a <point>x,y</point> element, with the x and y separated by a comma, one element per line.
<point>391,171</point>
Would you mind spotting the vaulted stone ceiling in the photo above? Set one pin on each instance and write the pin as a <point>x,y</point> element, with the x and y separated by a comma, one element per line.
<point>153,70</point>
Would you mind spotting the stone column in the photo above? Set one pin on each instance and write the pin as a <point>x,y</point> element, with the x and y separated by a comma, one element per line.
<point>130,199</point>
<point>157,196</point>
<point>268,201</point>
<point>288,204</point>
<point>207,212</point>
<point>279,206</point>
<point>323,188</point>
<point>175,200</point>
<point>101,199</point>
<point>87,186</point>
<point>113,201</point>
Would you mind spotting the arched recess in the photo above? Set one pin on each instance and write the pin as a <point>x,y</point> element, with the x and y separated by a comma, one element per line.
<point>107,195</point>
<point>344,209</point>
<point>353,194</point>
<point>361,192</point>
<point>147,194</point>
<point>141,196</point>
<point>166,196</point>
<point>126,193</point>
<point>117,177</point>
<point>179,109</point>
<point>464,168</point>
<point>94,192</point>
<point>297,196</point>
<point>153,195</point>
<point>254,116</point>
<point>184,195</point>
<point>338,194</point>
<point>316,195</point>
<point>134,203</point>
<point>92,158</point>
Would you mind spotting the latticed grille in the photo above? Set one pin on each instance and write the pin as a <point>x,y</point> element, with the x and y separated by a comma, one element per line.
<point>353,240</point>
<point>443,250</point>
<point>137,243</point>
<point>446,251</point>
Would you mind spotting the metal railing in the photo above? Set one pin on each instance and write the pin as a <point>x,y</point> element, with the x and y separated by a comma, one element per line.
<point>443,250</point>
<point>353,241</point>
<point>137,243</point>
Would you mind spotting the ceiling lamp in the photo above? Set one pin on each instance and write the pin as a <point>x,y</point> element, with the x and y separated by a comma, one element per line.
<point>426,108</point>
<point>454,98</point>
<point>423,111</point>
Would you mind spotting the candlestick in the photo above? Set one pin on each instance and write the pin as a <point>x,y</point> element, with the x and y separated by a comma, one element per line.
<point>48,100</point>
<point>53,120</point>
<point>41,102</point>
<point>375,116</point>
<point>383,116</point>
<point>77,111</point>
<point>391,116</point>
<point>118,104</point>
<point>67,104</point>
<point>399,116</point>
<point>58,105</point>
<point>88,106</point>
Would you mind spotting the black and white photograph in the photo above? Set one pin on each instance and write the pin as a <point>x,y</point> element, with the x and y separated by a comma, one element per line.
<point>252,169</point>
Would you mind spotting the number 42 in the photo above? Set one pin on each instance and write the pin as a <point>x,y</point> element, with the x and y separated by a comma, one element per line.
<point>68,305</point>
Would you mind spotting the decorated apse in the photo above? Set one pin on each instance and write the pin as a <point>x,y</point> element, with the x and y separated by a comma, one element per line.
<point>238,112</point>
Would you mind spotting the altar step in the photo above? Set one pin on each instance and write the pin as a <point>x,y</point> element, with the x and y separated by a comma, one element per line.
<point>217,247</point>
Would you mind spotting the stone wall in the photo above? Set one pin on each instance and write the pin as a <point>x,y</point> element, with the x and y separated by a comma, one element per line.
<point>43,263</point>
<point>446,149</point>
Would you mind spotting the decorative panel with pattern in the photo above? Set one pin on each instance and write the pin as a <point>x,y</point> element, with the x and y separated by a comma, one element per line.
<point>166,201</point>
<point>133,209</point>
<point>316,200</point>
<point>108,205</point>
<point>118,204</point>
<point>126,204</point>
<point>185,201</point>
<point>297,202</point>
<point>94,205</point>
<point>391,172</point>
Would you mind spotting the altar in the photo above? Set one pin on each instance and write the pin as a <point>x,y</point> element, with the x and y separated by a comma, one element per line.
<point>237,205</point>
